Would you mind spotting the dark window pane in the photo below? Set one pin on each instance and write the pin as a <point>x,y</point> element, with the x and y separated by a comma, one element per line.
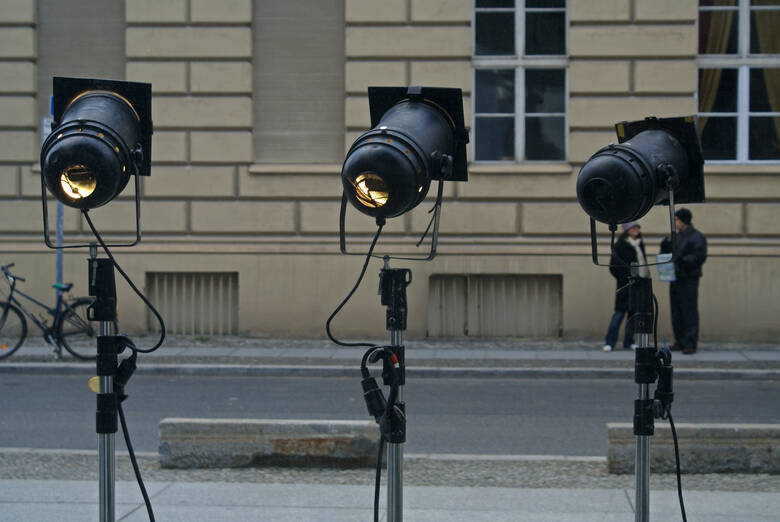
<point>544,138</point>
<point>495,33</point>
<point>763,32</point>
<point>718,138</point>
<point>718,32</point>
<point>495,3</point>
<point>545,33</point>
<point>717,90</point>
<point>494,139</point>
<point>765,2</point>
<point>717,2</point>
<point>544,90</point>
<point>764,138</point>
<point>762,82</point>
<point>545,3</point>
<point>495,90</point>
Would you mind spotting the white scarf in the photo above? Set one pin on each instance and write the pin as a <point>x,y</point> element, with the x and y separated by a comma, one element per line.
<point>640,257</point>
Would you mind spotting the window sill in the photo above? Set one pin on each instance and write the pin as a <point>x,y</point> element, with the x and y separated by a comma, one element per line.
<point>295,168</point>
<point>750,169</point>
<point>520,168</point>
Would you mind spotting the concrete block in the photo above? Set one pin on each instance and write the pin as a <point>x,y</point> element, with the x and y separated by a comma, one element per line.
<point>17,42</point>
<point>471,218</point>
<point>291,182</point>
<point>17,11</point>
<point>18,145</point>
<point>665,76</point>
<point>17,111</point>
<point>601,11</point>
<point>520,186</point>
<point>442,74</point>
<point>666,11</point>
<point>230,11</point>
<point>221,147</point>
<point>243,217</point>
<point>375,11</point>
<point>583,144</point>
<point>604,112</point>
<point>359,75</point>
<point>554,218</point>
<point>202,111</point>
<point>232,443</point>
<point>9,180</point>
<point>357,114</point>
<point>409,41</point>
<point>188,181</point>
<point>598,76</point>
<point>704,448</point>
<point>322,217</point>
<point>189,42</point>
<point>438,11</point>
<point>17,77</point>
<point>168,147</point>
<point>155,11</point>
<point>763,219</point>
<point>165,77</point>
<point>221,77</point>
<point>633,41</point>
<point>156,216</point>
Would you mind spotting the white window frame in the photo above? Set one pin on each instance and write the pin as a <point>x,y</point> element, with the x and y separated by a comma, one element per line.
<point>742,61</point>
<point>520,62</point>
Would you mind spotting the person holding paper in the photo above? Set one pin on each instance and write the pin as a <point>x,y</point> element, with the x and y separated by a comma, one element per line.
<point>629,248</point>
<point>690,253</point>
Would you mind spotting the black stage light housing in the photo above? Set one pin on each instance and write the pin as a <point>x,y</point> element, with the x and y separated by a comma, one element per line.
<point>101,134</point>
<point>658,161</point>
<point>417,135</point>
<point>655,157</point>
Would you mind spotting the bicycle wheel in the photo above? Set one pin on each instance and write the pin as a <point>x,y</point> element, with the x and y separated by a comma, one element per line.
<point>13,329</point>
<point>76,333</point>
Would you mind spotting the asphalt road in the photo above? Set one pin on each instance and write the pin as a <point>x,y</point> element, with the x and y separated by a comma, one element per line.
<point>472,416</point>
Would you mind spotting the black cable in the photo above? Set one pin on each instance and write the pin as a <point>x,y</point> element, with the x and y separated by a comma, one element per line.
<point>135,463</point>
<point>349,295</point>
<point>655,321</point>
<point>677,464</point>
<point>129,282</point>
<point>378,477</point>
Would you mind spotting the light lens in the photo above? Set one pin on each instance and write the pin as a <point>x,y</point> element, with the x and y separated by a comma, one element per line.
<point>78,182</point>
<point>371,190</point>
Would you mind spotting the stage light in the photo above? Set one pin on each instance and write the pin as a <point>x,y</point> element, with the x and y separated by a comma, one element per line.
<point>417,136</point>
<point>656,158</point>
<point>101,136</point>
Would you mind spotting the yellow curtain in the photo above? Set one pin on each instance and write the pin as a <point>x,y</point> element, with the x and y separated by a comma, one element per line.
<point>769,43</point>
<point>716,42</point>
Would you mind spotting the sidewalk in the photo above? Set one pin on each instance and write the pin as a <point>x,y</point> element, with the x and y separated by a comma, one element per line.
<point>425,358</point>
<point>65,501</point>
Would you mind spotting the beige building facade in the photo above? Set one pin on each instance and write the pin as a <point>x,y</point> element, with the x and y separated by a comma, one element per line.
<point>255,104</point>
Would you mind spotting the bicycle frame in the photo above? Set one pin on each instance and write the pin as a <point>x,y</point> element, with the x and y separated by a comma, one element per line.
<point>54,312</point>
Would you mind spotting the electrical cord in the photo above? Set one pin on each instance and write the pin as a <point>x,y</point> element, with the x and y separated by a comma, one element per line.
<point>132,285</point>
<point>677,465</point>
<point>136,470</point>
<point>349,296</point>
<point>378,479</point>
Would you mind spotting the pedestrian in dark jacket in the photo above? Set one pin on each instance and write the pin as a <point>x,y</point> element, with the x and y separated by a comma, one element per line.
<point>690,253</point>
<point>629,248</point>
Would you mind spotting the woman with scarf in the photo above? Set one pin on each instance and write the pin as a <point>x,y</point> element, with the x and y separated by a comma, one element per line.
<point>629,248</point>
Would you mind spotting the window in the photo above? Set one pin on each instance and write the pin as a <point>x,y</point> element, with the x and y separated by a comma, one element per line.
<point>739,79</point>
<point>520,81</point>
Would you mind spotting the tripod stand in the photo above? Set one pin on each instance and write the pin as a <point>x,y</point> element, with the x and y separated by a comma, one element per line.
<point>649,366</point>
<point>392,290</point>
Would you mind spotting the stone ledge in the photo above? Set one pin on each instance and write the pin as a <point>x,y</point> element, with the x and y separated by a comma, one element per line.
<point>704,448</point>
<point>235,443</point>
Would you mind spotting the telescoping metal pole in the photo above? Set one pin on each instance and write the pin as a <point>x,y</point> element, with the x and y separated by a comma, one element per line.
<point>392,289</point>
<point>103,309</point>
<point>645,373</point>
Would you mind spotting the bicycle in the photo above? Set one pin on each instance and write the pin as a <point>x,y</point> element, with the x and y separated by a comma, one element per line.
<point>69,328</point>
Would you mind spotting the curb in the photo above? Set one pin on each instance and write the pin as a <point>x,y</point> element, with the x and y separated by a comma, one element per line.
<point>240,370</point>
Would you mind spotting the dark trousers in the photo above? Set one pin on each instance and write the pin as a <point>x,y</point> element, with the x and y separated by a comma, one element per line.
<point>684,299</point>
<point>614,329</point>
